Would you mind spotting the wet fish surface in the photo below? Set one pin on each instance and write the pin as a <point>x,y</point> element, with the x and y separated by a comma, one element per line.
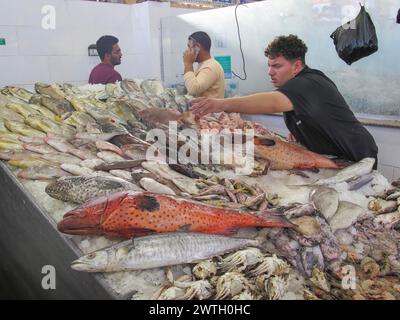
<point>130,214</point>
<point>159,251</point>
<point>79,189</point>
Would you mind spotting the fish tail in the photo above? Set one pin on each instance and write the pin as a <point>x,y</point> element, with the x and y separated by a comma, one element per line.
<point>275,220</point>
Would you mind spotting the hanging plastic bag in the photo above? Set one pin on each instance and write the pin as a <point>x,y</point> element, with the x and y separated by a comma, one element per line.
<point>356,39</point>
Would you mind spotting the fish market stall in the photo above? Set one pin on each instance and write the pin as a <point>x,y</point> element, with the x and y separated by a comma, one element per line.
<point>78,184</point>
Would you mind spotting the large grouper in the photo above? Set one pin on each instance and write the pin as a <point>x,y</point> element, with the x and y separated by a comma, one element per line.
<point>130,214</point>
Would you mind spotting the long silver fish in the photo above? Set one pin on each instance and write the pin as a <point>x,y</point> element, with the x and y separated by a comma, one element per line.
<point>349,173</point>
<point>79,189</point>
<point>159,251</point>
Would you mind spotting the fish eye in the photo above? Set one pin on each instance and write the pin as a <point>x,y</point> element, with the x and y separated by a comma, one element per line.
<point>91,256</point>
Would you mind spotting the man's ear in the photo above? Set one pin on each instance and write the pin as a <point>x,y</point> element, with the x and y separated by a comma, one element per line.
<point>298,65</point>
<point>106,56</point>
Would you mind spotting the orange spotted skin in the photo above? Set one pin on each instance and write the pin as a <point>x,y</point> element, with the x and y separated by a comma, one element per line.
<point>284,155</point>
<point>129,214</point>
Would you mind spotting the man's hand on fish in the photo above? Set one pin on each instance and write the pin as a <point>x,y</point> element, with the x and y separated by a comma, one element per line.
<point>203,106</point>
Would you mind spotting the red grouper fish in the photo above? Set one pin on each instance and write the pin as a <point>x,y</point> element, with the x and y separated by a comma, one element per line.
<point>130,214</point>
<point>284,155</point>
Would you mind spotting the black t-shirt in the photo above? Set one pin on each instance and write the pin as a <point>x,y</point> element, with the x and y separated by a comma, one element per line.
<point>322,121</point>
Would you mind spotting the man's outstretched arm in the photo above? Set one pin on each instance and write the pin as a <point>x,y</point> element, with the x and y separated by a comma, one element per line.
<point>259,103</point>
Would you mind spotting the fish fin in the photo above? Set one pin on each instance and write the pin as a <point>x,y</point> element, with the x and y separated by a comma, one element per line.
<point>360,181</point>
<point>299,173</point>
<point>184,228</point>
<point>264,141</point>
<point>147,203</point>
<point>228,232</point>
<point>274,219</point>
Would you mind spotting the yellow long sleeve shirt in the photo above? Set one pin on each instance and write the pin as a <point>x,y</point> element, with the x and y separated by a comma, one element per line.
<point>207,81</point>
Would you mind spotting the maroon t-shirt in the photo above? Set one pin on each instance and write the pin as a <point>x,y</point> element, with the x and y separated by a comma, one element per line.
<point>104,73</point>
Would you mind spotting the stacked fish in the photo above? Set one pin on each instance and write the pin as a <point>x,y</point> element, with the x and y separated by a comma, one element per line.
<point>90,144</point>
<point>63,130</point>
<point>231,122</point>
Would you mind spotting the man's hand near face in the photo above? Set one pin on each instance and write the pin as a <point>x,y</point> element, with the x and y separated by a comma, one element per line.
<point>189,57</point>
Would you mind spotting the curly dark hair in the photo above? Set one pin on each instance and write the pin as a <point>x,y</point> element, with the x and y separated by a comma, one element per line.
<point>290,47</point>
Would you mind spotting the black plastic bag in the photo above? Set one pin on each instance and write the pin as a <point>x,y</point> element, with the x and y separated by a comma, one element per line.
<point>356,39</point>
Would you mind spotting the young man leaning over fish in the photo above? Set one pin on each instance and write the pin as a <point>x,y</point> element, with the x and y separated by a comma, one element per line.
<point>315,112</point>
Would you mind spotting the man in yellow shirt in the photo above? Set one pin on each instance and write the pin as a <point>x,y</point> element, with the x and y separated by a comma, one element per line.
<point>208,79</point>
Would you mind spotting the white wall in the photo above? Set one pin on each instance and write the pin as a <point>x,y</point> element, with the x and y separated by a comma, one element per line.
<point>34,54</point>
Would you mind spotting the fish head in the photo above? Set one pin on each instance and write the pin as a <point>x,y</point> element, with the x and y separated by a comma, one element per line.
<point>104,260</point>
<point>62,185</point>
<point>89,218</point>
<point>97,261</point>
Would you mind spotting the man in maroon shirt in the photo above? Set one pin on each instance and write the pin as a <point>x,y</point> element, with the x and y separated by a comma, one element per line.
<point>110,56</point>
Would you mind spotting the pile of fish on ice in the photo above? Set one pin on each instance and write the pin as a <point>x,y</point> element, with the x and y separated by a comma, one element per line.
<point>298,226</point>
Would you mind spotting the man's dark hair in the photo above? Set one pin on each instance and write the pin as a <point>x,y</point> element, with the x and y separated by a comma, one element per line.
<point>104,45</point>
<point>202,38</point>
<point>290,47</point>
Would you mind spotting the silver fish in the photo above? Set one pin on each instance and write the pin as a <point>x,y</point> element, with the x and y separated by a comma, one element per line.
<point>77,170</point>
<point>80,189</point>
<point>152,87</point>
<point>126,164</point>
<point>109,156</point>
<point>59,157</point>
<point>15,154</point>
<point>56,106</point>
<point>326,200</point>
<point>349,173</point>
<point>39,148</point>
<point>42,172</point>
<point>153,186</point>
<point>159,251</point>
<point>346,215</point>
<point>123,174</point>
<point>97,136</point>
<point>130,86</point>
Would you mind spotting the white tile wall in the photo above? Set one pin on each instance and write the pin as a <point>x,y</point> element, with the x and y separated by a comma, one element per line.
<point>139,66</point>
<point>387,140</point>
<point>23,70</point>
<point>387,171</point>
<point>69,68</point>
<point>10,34</point>
<point>37,41</point>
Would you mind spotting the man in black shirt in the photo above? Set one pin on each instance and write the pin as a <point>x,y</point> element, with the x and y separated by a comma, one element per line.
<point>315,112</point>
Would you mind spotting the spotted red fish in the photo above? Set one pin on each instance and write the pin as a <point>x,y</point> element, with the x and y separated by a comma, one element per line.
<point>130,214</point>
<point>284,155</point>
